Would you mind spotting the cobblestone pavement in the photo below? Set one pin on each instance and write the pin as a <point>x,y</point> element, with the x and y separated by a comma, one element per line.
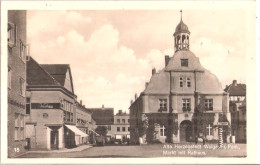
<point>150,150</point>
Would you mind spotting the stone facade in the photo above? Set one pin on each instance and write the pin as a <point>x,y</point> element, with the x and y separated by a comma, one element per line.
<point>181,101</point>
<point>17,49</point>
<point>121,127</point>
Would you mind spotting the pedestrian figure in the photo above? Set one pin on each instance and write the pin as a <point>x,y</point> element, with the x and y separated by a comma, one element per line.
<point>196,139</point>
<point>204,140</point>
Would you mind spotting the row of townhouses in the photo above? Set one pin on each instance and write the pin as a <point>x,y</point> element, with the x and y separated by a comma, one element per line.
<point>118,126</point>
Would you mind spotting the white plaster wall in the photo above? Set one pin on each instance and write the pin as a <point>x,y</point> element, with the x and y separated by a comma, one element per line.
<point>48,137</point>
<point>61,135</point>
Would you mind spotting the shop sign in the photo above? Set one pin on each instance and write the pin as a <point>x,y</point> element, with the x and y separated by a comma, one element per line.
<point>45,105</point>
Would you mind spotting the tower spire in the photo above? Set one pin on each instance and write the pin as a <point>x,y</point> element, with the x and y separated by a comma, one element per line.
<point>181,14</point>
<point>181,36</point>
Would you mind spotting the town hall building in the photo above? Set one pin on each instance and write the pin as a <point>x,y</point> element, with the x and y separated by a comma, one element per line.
<point>182,101</point>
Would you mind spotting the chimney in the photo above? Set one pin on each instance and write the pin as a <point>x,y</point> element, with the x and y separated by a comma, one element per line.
<point>103,106</point>
<point>167,58</point>
<point>146,84</point>
<point>153,71</point>
<point>120,112</point>
<point>235,82</point>
<point>135,96</point>
<point>80,102</point>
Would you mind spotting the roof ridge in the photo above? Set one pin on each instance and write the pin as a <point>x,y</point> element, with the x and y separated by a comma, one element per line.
<point>54,64</point>
<point>46,72</point>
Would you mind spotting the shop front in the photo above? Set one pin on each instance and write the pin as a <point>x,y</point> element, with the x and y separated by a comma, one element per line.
<point>73,136</point>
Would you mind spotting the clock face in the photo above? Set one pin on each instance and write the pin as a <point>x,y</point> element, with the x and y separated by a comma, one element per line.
<point>45,115</point>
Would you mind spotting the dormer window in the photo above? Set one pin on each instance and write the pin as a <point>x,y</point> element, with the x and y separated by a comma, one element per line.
<point>184,62</point>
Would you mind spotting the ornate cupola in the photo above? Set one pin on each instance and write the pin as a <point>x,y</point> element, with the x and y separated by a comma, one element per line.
<point>181,36</point>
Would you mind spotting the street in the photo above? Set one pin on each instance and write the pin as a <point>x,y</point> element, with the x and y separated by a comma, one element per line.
<point>150,150</point>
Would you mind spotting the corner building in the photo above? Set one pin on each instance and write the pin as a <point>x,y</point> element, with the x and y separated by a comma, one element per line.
<point>50,107</point>
<point>17,49</point>
<point>168,108</point>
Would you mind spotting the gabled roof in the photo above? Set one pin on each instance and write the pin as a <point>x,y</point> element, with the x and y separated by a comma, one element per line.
<point>206,81</point>
<point>58,71</point>
<point>235,89</point>
<point>36,75</point>
<point>102,116</point>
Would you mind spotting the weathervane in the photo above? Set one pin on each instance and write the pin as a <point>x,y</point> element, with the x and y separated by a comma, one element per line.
<point>181,14</point>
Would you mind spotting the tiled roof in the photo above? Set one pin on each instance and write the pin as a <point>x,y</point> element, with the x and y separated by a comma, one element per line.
<point>58,71</point>
<point>236,89</point>
<point>36,75</point>
<point>102,116</point>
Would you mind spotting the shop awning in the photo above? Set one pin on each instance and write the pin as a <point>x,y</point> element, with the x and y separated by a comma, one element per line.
<point>76,130</point>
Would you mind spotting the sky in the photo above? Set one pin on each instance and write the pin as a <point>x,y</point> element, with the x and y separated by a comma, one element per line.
<point>112,52</point>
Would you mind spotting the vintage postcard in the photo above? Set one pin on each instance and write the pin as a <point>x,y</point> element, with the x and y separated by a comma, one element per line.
<point>153,82</point>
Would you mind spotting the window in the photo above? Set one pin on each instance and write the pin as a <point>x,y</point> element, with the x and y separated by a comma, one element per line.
<point>16,121</point>
<point>128,120</point>
<point>28,105</point>
<point>188,82</point>
<point>67,116</point>
<point>118,120</point>
<point>184,62</point>
<point>181,82</point>
<point>123,120</point>
<point>186,105</point>
<point>128,128</point>
<point>9,77</point>
<point>71,117</point>
<point>22,87</point>
<point>163,104</point>
<point>109,127</point>
<point>118,129</point>
<point>209,130</point>
<point>11,36</point>
<point>123,129</point>
<point>162,131</point>
<point>19,127</point>
<point>22,51</point>
<point>209,104</point>
<point>64,116</point>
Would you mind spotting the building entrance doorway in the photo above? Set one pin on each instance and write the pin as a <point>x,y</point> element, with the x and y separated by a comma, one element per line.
<point>185,131</point>
<point>54,139</point>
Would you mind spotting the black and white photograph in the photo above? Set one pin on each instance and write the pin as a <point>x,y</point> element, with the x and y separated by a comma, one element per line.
<point>111,79</point>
